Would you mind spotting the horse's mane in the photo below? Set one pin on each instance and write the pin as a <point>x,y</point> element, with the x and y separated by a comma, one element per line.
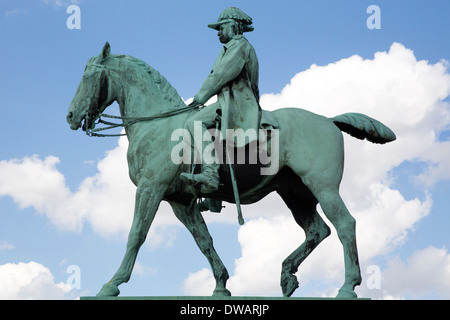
<point>165,87</point>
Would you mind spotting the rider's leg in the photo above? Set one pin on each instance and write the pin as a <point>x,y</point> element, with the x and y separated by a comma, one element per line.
<point>199,123</point>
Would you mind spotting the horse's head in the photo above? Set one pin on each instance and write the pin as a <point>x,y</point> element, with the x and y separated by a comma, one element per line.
<point>93,94</point>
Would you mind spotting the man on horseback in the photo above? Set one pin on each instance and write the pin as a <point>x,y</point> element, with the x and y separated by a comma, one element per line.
<point>234,79</point>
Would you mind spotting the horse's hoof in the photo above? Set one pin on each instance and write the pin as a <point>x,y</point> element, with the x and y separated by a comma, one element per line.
<point>289,284</point>
<point>109,290</point>
<point>223,292</point>
<point>346,294</point>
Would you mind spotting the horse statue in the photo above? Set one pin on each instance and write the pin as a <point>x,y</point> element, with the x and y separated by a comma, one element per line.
<point>311,159</point>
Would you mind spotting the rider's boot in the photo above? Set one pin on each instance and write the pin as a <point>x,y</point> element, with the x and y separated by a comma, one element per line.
<point>209,178</point>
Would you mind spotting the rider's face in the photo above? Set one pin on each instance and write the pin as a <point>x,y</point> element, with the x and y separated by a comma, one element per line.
<point>226,32</point>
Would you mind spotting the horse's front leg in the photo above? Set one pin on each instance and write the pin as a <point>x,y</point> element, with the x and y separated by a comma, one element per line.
<point>195,223</point>
<point>148,198</point>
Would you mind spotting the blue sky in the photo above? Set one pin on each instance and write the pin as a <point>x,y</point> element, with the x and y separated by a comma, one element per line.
<point>318,55</point>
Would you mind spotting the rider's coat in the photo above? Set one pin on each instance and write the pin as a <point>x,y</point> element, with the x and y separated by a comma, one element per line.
<point>234,78</point>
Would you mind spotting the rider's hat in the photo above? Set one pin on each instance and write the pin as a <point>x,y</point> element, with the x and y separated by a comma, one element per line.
<point>233,14</point>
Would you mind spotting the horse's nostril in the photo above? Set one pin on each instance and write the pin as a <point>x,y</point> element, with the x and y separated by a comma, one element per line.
<point>69,117</point>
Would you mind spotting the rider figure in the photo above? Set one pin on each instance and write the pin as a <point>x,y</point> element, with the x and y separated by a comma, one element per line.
<point>234,78</point>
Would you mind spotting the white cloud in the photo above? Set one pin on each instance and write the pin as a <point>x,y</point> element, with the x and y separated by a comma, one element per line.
<point>105,200</point>
<point>405,94</point>
<point>200,283</point>
<point>30,281</point>
<point>142,270</point>
<point>425,273</point>
<point>12,12</point>
<point>439,165</point>
<point>5,245</point>
<point>256,273</point>
<point>33,182</point>
<point>385,224</point>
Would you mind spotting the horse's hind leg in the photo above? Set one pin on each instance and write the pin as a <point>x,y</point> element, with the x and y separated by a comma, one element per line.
<point>305,214</point>
<point>336,211</point>
<point>194,222</point>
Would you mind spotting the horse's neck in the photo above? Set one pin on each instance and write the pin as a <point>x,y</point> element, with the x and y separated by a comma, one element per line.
<point>141,99</point>
<point>137,102</point>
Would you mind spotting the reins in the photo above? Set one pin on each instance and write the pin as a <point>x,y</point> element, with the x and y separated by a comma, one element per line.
<point>127,121</point>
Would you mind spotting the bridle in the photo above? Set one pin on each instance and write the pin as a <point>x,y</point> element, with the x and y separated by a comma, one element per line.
<point>96,117</point>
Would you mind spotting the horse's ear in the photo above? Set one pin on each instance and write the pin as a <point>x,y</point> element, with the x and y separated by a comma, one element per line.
<point>106,51</point>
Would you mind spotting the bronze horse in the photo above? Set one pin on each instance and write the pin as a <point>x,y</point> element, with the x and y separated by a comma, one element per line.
<point>311,159</point>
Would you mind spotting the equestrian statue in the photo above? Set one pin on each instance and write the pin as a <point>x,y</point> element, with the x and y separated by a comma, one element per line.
<point>209,161</point>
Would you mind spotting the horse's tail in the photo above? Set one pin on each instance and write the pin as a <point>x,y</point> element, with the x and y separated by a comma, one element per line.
<point>363,127</point>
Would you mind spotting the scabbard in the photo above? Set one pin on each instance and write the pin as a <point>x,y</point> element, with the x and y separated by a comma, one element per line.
<point>235,189</point>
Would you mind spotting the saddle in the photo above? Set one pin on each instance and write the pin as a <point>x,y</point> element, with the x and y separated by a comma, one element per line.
<point>239,166</point>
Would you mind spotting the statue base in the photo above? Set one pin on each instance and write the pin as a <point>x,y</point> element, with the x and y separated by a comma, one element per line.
<point>212,298</point>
